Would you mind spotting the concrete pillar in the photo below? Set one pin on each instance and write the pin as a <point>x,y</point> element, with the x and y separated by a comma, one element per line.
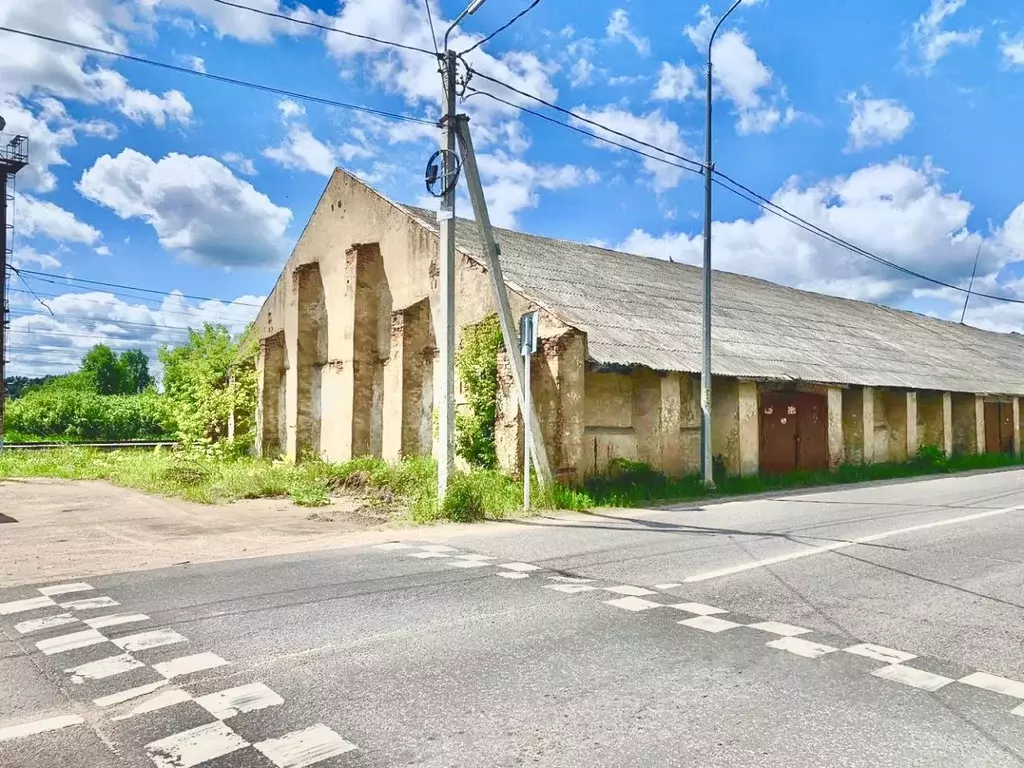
<point>947,423</point>
<point>394,387</point>
<point>689,422</point>
<point>913,442</point>
<point>968,417</point>
<point>836,447</point>
<point>1016,426</point>
<point>672,459</point>
<point>979,423</point>
<point>571,349</point>
<point>858,404</point>
<point>749,428</point>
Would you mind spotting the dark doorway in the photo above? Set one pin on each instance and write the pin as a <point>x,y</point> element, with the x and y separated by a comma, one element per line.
<point>794,432</point>
<point>999,428</point>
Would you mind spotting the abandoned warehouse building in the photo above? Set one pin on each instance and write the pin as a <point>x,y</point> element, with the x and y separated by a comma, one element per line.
<point>348,362</point>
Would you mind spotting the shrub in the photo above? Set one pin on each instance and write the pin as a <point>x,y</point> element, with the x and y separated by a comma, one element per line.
<point>477,366</point>
<point>464,501</point>
<point>77,415</point>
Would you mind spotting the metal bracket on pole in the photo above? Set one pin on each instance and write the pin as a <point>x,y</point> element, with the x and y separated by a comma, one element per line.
<point>508,333</point>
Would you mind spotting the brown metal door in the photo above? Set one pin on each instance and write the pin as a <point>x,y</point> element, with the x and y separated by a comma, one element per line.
<point>778,433</point>
<point>999,428</point>
<point>812,432</point>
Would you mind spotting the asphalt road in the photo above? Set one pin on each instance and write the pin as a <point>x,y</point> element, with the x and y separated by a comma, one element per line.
<point>877,626</point>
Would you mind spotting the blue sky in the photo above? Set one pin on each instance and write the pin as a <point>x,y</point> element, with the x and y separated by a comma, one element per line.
<point>893,125</point>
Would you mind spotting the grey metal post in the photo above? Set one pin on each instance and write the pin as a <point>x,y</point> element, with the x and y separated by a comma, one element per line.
<point>446,260</point>
<point>706,453</point>
<point>3,298</point>
<point>527,436</point>
<point>508,332</point>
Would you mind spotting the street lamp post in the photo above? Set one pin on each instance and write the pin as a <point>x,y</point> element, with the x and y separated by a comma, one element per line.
<point>705,370</point>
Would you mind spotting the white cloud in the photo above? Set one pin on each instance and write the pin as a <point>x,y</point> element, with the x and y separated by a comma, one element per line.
<point>302,151</point>
<point>199,209</point>
<point>290,109</point>
<point>619,28</point>
<point>245,25</point>
<point>876,121</point>
<point>26,256</point>
<point>102,251</point>
<point>49,140</point>
<point>581,73</point>
<point>1013,50</point>
<point>929,41</point>
<point>511,184</point>
<point>653,128</point>
<point>239,162</point>
<point>41,218</point>
<point>675,83</point>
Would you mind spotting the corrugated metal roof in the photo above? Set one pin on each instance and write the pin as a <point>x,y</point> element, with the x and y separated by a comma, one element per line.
<point>641,311</point>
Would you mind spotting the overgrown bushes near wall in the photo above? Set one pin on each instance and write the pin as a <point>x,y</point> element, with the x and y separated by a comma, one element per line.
<point>80,415</point>
<point>476,363</point>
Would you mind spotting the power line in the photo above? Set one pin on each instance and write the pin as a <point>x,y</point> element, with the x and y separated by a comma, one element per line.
<point>502,28</point>
<point>81,320</point>
<point>221,78</point>
<point>324,27</point>
<point>97,335</point>
<point>433,35</point>
<point>205,314</point>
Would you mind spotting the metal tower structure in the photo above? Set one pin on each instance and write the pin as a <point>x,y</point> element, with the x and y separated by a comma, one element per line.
<point>13,157</point>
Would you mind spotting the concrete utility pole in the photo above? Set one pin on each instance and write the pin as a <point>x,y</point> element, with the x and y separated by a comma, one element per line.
<point>706,453</point>
<point>13,157</point>
<point>446,261</point>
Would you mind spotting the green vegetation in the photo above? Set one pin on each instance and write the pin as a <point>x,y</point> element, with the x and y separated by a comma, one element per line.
<point>477,365</point>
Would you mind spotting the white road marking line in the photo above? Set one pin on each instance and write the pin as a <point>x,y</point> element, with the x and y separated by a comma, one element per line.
<point>392,546</point>
<point>142,641</point>
<point>155,704</point>
<point>804,648</point>
<point>698,608</point>
<point>709,624</point>
<point>467,564</point>
<point>190,748</point>
<point>104,668</point>
<point>633,604</point>
<point>34,625</point>
<point>844,544</point>
<point>626,589</point>
<point>520,567</point>
<point>778,628</point>
<point>90,603</point>
<point>880,653</point>
<point>915,678</point>
<point>70,642</point>
<point>186,665</point>
<point>570,589</point>
<point>28,604</point>
<point>438,548</point>
<point>995,683</point>
<point>64,589</point>
<point>481,558</point>
<point>513,575</point>
<point>427,555</point>
<point>1019,711</point>
<point>39,726</point>
<point>304,748</point>
<point>116,620</point>
<point>127,695</point>
<point>667,586</point>
<point>571,579</point>
<point>245,698</point>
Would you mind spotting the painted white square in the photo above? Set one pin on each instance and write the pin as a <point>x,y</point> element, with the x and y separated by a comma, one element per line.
<point>39,726</point>
<point>633,604</point>
<point>427,555</point>
<point>438,548</point>
<point>64,589</point>
<point>709,624</point>
<point>520,567</point>
<point>115,620</point>
<point>995,683</point>
<point>304,748</point>
<point>480,558</point>
<point>35,625</point>
<point>698,608</point>
<point>571,579</point>
<point>915,678</point>
<point>156,703</point>
<point>127,695</point>
<point>196,746</point>
<point>673,585</point>
<point>570,589</point>
<point>156,638</point>
<point>513,575</point>
<point>804,648</point>
<point>187,665</point>
<point>777,628</point>
<point>467,564</point>
<point>233,701</point>
<point>28,604</point>
<point>70,642</point>
<point>90,603</point>
<point>626,589</point>
<point>1018,711</point>
<point>880,653</point>
<point>104,668</point>
<point>393,546</point>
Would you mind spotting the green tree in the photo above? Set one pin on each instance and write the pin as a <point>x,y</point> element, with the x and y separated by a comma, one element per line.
<point>100,366</point>
<point>477,365</point>
<point>134,371</point>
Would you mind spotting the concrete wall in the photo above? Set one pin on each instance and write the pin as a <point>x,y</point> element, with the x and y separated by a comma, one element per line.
<point>895,433</point>
<point>735,425</point>
<point>968,420</point>
<point>859,425</point>
<point>935,420</point>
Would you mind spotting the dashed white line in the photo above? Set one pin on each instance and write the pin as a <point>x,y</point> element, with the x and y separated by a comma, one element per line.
<point>142,641</point>
<point>90,603</point>
<point>28,604</point>
<point>35,625</point>
<point>570,589</point>
<point>520,567</point>
<point>438,548</point>
<point>196,746</point>
<point>467,564</point>
<point>880,653</point>
<point>633,604</point>
<point>70,642</point>
<point>995,683</point>
<point>804,648</point>
<point>64,589</point>
<point>571,579</point>
<point>246,698</point>
<point>915,678</point>
<point>104,668</point>
<point>626,589</point>
<point>127,695</point>
<point>304,748</point>
<point>162,701</point>
<point>116,620</point>
<point>427,555</point>
<point>186,665</point>
<point>513,575</point>
<point>39,726</point>
<point>698,608</point>
<point>667,586</point>
<point>778,628</point>
<point>709,624</point>
<point>1018,711</point>
<point>481,558</point>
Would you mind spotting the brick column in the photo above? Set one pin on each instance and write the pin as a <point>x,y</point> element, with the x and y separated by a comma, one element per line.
<point>836,447</point>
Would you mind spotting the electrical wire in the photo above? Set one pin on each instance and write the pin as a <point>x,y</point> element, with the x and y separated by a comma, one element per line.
<point>433,35</point>
<point>222,79</point>
<point>324,27</point>
<point>502,28</point>
<point>85,321</point>
<point>205,315</point>
<point>24,281</point>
